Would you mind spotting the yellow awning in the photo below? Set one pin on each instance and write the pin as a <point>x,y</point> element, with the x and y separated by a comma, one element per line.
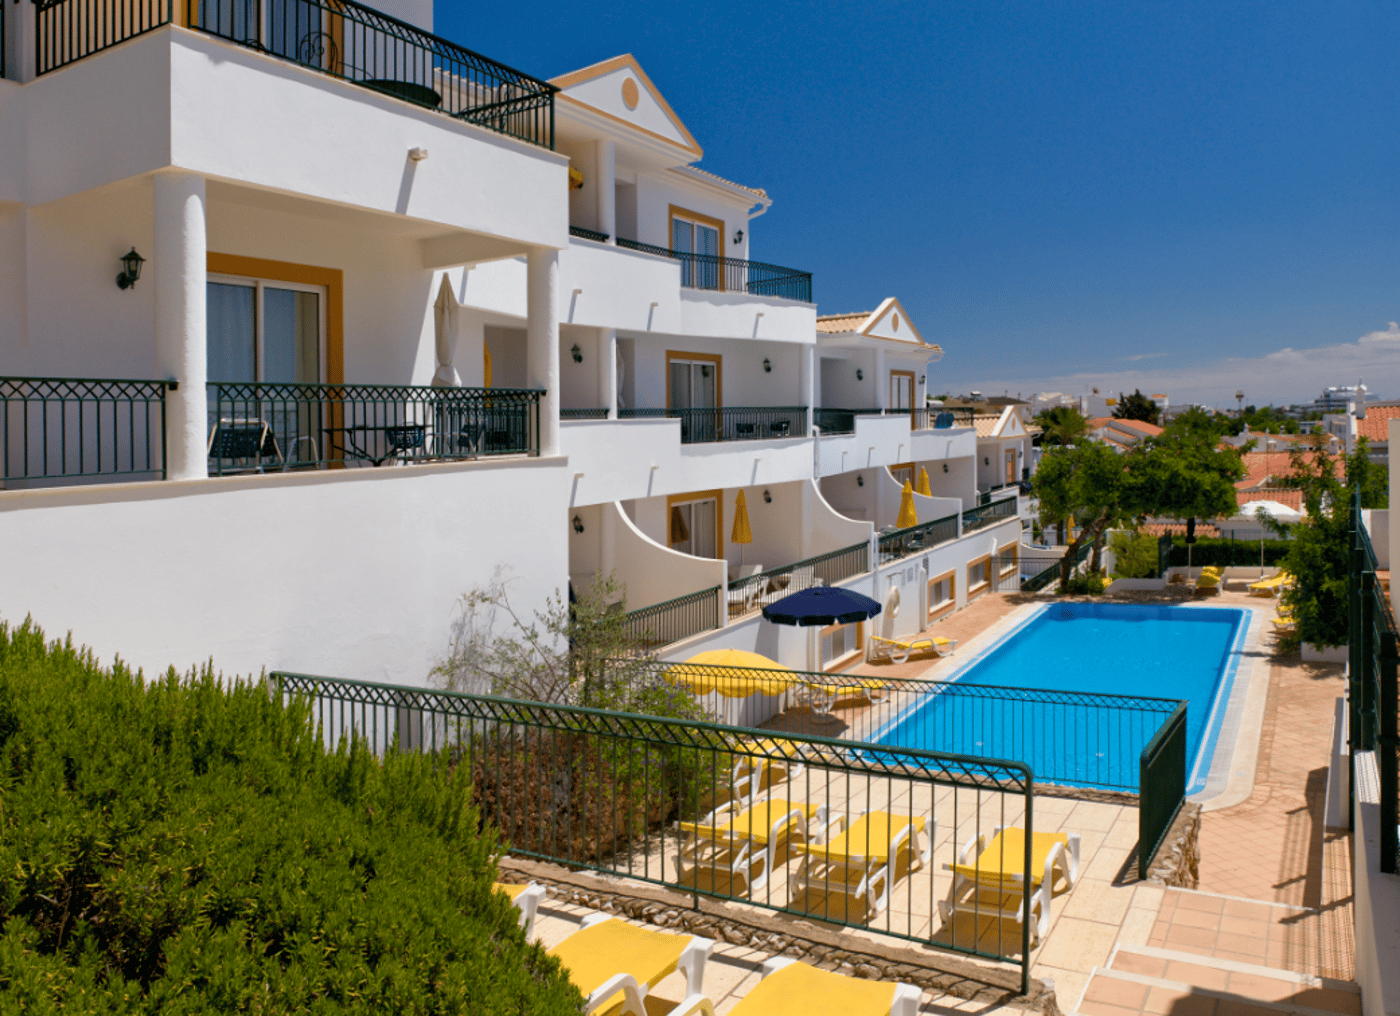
<point>907,516</point>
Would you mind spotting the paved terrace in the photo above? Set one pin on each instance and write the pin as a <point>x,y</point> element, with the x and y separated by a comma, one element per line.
<point>1274,894</point>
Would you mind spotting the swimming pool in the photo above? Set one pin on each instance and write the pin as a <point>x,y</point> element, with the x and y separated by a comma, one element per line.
<point>1079,689</point>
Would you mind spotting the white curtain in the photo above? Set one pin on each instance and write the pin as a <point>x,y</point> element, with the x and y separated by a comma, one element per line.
<point>445,332</point>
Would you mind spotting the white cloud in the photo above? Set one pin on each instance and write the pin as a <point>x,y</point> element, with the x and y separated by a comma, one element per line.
<point>1284,376</point>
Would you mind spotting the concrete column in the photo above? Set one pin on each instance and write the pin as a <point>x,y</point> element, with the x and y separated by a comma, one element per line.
<point>21,39</point>
<point>607,369</point>
<point>882,381</point>
<point>178,271</point>
<point>807,384</point>
<point>607,550</point>
<point>605,158</point>
<point>542,341</point>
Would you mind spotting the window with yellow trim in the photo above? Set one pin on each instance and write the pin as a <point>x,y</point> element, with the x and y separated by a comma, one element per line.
<point>840,643</point>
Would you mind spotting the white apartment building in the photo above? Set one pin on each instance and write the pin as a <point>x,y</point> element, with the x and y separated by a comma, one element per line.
<point>401,320</point>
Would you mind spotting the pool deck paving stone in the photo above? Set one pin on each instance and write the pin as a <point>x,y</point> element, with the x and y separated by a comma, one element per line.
<point>1291,877</point>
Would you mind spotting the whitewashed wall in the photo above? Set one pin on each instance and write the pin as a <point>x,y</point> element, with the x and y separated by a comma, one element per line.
<point>650,571</point>
<point>350,573</point>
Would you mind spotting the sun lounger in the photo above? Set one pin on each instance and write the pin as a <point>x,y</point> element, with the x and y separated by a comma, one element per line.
<point>790,986</point>
<point>737,848</point>
<point>823,695</point>
<point>1284,625</point>
<point>864,860</point>
<point>897,652</point>
<point>526,899</point>
<point>1269,587</point>
<point>994,884</point>
<point>610,961</point>
<point>759,771</point>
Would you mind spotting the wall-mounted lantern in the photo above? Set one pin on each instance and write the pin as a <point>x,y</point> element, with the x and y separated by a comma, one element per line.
<point>860,481</point>
<point>767,365</point>
<point>945,467</point>
<point>921,379</point>
<point>986,461</point>
<point>131,269</point>
<point>767,497</point>
<point>860,374</point>
<point>578,353</point>
<point>578,524</point>
<point>738,236</point>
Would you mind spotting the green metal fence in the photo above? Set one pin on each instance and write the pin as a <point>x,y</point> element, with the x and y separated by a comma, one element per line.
<point>1371,691</point>
<point>834,832</point>
<point>753,592</point>
<point>916,539</point>
<point>1051,574</point>
<point>663,623</point>
<point>1161,785</point>
<point>977,518</point>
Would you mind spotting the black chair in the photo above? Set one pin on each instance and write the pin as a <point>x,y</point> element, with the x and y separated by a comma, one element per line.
<point>780,428</point>
<point>243,441</point>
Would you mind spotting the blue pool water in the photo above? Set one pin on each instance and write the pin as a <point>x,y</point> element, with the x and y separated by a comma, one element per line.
<point>1018,700</point>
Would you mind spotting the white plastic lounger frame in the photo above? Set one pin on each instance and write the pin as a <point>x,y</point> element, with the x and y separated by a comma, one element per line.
<point>959,899</point>
<point>706,852</point>
<point>906,1000</point>
<point>691,963</point>
<point>528,902</point>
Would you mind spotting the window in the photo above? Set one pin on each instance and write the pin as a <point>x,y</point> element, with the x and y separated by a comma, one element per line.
<point>1010,466</point>
<point>693,524</point>
<point>261,330</point>
<point>840,642</point>
<point>942,595</point>
<point>1006,560</point>
<point>903,472</point>
<point>901,389</point>
<point>700,235</point>
<point>979,576</point>
<point>694,382</point>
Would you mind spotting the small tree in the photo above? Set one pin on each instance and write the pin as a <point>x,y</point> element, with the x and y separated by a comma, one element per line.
<point>1085,483</point>
<point>1134,554</point>
<point>1372,477</point>
<point>1062,425</point>
<point>1136,406</point>
<point>1317,555</point>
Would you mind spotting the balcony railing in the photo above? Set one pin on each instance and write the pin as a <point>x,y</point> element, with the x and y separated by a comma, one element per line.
<point>337,37</point>
<point>754,592</point>
<point>916,539</point>
<point>839,421</point>
<point>663,623</point>
<point>710,271</point>
<point>55,428</point>
<point>588,234</point>
<point>934,418</point>
<point>257,426</point>
<point>989,514</point>
<point>584,414</point>
<point>730,423</point>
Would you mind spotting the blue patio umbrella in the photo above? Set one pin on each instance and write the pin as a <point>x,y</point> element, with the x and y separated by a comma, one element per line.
<point>822,605</point>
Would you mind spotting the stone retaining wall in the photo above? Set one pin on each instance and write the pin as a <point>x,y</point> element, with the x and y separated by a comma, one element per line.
<point>827,948</point>
<point>1178,860</point>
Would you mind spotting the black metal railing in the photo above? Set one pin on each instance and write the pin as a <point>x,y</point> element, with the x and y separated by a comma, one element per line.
<point>1373,657</point>
<point>732,275</point>
<point>730,423</point>
<point>984,515</point>
<point>1162,769</point>
<point>255,426</point>
<point>935,418</point>
<point>664,623</point>
<point>356,43</point>
<point>1051,573</point>
<point>3,47</point>
<point>584,414</point>
<point>588,234</point>
<point>988,496</point>
<point>1164,554</point>
<point>839,421</point>
<point>651,797</point>
<point>68,30</point>
<point>55,428</point>
<point>917,539</point>
<point>754,592</point>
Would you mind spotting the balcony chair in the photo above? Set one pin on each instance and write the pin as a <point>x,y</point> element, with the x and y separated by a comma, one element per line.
<point>244,439</point>
<point>611,961</point>
<point>746,593</point>
<point>735,849</point>
<point>857,866</point>
<point>898,652</point>
<point>780,428</point>
<point>995,883</point>
<point>790,985</point>
<point>526,899</point>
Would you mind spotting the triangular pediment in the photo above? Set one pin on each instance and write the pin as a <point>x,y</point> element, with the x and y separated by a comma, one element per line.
<point>889,321</point>
<point>1010,424</point>
<point>620,90</point>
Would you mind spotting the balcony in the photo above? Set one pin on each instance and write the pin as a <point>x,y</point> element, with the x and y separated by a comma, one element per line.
<point>835,422</point>
<point>729,423</point>
<point>339,38</point>
<point>731,275</point>
<point>65,431</point>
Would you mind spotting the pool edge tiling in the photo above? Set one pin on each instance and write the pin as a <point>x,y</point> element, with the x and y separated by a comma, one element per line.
<point>1219,675</point>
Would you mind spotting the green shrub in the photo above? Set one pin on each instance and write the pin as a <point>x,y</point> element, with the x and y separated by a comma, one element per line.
<point>1134,554</point>
<point>1227,553</point>
<point>182,846</point>
<point>1088,584</point>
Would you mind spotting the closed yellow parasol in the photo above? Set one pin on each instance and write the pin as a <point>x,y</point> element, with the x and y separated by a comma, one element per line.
<point>907,516</point>
<point>923,487</point>
<point>732,673</point>
<point>741,534</point>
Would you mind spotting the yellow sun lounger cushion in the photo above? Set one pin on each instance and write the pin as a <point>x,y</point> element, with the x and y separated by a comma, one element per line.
<point>792,988</point>
<point>992,881</point>
<point>867,838</point>
<point>897,651</point>
<point>755,823</point>
<point>614,962</point>
<point>1004,858</point>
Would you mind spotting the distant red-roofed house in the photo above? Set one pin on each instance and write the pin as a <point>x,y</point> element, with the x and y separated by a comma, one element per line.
<point>1120,435</point>
<point>1374,428</point>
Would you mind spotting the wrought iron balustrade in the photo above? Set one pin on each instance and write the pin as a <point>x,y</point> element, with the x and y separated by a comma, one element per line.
<point>664,623</point>
<point>916,539</point>
<point>588,234</point>
<point>256,426</point>
<point>754,592</point>
<point>936,418</point>
<point>341,38</point>
<point>732,275</point>
<point>56,428</point>
<point>584,414</point>
<point>839,421</point>
<point>989,514</point>
<point>730,423</point>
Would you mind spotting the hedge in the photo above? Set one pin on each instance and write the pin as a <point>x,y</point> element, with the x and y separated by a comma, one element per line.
<point>1227,552</point>
<point>183,845</point>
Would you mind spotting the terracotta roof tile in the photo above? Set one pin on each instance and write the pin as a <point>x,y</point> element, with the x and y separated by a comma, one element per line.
<point>1374,428</point>
<point>835,323</point>
<point>1259,466</point>
<point>1290,496</point>
<point>1179,528</point>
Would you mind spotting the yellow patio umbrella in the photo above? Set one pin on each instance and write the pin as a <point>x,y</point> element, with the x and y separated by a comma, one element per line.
<point>923,487</point>
<point>907,516</point>
<point>744,674</point>
<point>741,534</point>
<point>486,365</point>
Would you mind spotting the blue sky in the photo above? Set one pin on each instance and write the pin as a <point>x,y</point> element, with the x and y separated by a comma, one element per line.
<point>1192,197</point>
